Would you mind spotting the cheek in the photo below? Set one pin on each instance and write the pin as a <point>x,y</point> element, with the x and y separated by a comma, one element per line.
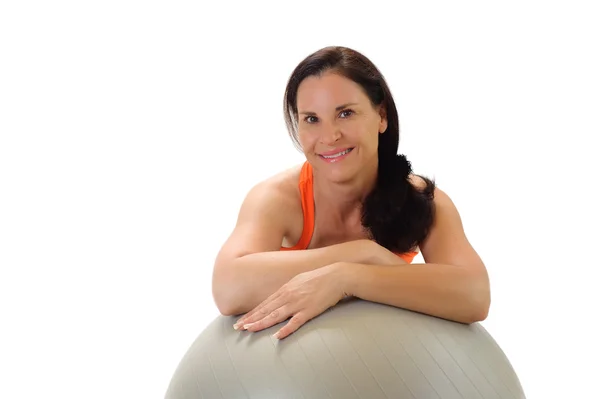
<point>307,138</point>
<point>366,133</point>
<point>368,137</point>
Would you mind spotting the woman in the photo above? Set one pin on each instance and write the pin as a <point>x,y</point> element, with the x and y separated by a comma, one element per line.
<point>349,221</point>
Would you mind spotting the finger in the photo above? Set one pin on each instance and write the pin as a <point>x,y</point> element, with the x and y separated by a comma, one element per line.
<point>275,317</point>
<point>291,326</point>
<point>259,309</point>
<point>266,311</point>
<point>253,315</point>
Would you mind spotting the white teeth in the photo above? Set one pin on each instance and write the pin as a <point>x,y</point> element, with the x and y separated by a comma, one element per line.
<point>339,154</point>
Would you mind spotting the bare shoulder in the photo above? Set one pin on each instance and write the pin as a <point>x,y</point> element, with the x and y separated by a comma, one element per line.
<point>265,217</point>
<point>280,191</point>
<point>442,202</point>
<point>447,241</point>
<point>274,200</point>
<point>443,206</point>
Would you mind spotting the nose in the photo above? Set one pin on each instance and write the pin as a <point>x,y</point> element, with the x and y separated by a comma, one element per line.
<point>330,135</point>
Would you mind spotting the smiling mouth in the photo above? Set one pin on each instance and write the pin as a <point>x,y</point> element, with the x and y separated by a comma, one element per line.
<point>339,154</point>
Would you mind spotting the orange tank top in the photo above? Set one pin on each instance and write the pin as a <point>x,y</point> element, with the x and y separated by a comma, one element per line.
<point>305,184</point>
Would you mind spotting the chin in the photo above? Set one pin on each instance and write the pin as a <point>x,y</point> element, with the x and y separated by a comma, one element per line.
<point>340,173</point>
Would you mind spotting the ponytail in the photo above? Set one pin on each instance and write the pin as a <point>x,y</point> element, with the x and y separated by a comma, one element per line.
<point>398,215</point>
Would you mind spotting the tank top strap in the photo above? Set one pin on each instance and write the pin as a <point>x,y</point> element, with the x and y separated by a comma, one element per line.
<point>305,185</point>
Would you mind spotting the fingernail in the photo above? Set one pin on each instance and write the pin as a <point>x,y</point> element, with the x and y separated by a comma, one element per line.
<point>276,335</point>
<point>247,325</point>
<point>237,325</point>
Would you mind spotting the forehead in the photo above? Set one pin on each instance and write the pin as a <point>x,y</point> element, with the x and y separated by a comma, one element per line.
<point>328,91</point>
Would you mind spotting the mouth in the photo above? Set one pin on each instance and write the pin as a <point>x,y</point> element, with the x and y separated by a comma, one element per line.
<point>337,155</point>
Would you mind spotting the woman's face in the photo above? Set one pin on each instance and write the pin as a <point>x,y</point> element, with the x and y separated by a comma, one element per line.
<point>338,128</point>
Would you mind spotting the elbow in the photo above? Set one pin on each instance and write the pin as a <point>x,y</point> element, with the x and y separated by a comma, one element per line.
<point>479,304</point>
<point>473,314</point>
<point>484,306</point>
<point>224,297</point>
<point>226,304</point>
<point>479,313</point>
<point>226,309</point>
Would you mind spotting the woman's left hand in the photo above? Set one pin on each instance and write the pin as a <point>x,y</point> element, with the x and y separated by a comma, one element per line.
<point>302,298</point>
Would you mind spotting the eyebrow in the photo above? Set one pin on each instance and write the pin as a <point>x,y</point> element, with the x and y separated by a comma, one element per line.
<point>338,108</point>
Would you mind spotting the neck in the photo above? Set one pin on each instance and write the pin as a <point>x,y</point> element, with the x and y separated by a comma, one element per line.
<point>343,200</point>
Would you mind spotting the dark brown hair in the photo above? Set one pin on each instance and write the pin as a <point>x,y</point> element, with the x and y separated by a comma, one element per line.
<point>396,214</point>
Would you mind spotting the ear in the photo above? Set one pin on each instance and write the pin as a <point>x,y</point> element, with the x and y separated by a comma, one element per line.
<point>383,123</point>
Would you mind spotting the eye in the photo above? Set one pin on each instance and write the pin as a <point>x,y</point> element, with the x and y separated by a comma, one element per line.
<point>310,119</point>
<point>346,113</point>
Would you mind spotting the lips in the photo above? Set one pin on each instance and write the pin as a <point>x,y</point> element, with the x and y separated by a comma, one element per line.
<point>336,153</point>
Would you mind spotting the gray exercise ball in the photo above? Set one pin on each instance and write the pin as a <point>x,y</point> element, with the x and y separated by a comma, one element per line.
<point>357,349</point>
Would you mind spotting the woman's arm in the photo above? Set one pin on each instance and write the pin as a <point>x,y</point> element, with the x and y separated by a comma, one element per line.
<point>447,291</point>
<point>250,265</point>
<point>452,284</point>
<point>242,283</point>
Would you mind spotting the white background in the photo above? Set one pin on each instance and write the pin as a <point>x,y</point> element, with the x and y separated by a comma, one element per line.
<point>131,131</point>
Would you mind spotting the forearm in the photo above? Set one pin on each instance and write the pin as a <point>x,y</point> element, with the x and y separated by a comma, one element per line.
<point>245,282</point>
<point>445,291</point>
